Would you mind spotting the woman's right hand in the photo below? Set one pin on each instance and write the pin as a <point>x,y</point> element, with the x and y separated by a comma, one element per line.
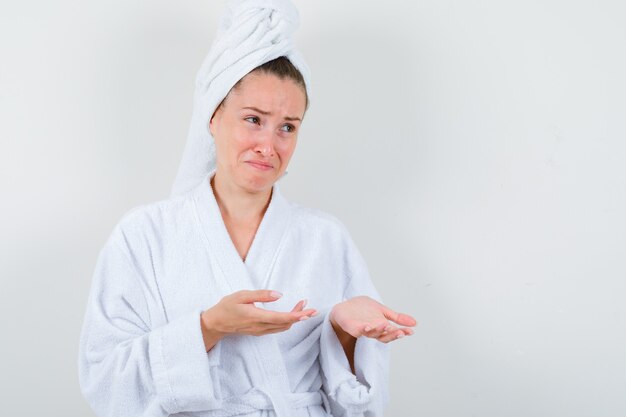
<point>236,313</point>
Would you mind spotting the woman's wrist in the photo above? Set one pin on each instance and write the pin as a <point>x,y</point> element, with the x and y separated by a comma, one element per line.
<point>347,341</point>
<point>210,334</point>
<point>342,335</point>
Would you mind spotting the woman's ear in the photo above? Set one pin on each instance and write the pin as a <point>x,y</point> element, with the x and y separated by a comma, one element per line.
<point>211,121</point>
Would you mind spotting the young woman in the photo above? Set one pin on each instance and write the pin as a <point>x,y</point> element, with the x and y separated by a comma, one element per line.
<point>198,305</point>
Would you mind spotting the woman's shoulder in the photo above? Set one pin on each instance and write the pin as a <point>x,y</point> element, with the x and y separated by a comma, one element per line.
<point>313,219</point>
<point>327,229</point>
<point>155,216</point>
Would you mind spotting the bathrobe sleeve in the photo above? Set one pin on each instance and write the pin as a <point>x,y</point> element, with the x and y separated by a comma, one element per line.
<point>128,366</point>
<point>366,393</point>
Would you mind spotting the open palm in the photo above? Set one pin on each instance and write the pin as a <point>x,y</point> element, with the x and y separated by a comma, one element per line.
<point>364,316</point>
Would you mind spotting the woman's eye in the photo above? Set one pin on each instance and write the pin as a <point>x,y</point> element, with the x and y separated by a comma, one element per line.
<point>290,128</point>
<point>252,119</point>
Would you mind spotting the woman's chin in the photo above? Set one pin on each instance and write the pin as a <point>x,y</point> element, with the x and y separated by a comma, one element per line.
<point>259,180</point>
<point>259,184</point>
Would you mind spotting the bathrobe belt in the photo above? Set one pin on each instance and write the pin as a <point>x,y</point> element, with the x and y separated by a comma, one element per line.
<point>264,399</point>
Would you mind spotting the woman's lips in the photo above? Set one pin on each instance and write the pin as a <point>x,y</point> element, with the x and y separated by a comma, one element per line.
<point>260,165</point>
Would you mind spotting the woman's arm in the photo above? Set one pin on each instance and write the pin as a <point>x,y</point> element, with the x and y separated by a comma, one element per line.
<point>236,313</point>
<point>355,369</point>
<point>365,317</point>
<point>348,342</point>
<point>132,363</point>
<point>135,362</point>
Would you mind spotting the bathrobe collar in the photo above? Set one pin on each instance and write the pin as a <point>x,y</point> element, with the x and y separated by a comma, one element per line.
<point>255,272</point>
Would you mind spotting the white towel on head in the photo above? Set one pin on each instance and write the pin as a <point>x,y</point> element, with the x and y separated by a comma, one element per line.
<point>250,33</point>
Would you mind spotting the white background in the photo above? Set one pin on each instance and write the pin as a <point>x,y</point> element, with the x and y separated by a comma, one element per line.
<point>474,149</point>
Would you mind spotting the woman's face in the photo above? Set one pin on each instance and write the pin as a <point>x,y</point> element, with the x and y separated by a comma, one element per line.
<point>255,130</point>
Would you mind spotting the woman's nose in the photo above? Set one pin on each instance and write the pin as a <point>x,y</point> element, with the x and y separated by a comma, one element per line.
<point>265,144</point>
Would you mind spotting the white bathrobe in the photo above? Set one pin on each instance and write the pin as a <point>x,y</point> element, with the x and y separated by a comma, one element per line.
<point>141,349</point>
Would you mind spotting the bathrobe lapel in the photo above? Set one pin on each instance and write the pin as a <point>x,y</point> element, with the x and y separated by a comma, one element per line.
<point>256,273</point>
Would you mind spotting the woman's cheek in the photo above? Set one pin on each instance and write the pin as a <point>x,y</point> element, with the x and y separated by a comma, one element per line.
<point>285,145</point>
<point>244,141</point>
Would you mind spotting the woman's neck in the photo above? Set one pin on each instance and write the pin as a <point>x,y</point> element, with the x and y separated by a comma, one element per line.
<point>238,205</point>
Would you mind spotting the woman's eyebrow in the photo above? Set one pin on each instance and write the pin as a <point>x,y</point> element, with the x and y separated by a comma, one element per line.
<point>265,113</point>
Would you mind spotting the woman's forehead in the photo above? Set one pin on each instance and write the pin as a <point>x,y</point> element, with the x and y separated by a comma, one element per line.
<point>267,91</point>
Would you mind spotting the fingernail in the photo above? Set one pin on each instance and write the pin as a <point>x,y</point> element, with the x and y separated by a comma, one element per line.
<point>276,294</point>
<point>315,314</point>
<point>400,336</point>
<point>304,318</point>
<point>304,303</point>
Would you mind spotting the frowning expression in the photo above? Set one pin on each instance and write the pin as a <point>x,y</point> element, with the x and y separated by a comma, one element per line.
<point>255,130</point>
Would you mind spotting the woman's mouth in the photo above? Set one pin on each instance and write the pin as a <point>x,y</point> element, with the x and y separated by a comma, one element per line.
<point>260,165</point>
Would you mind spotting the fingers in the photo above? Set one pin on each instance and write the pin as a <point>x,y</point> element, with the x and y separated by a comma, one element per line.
<point>407,331</point>
<point>273,327</point>
<point>405,320</point>
<point>399,318</point>
<point>280,318</point>
<point>261,316</point>
<point>251,296</point>
<point>300,306</point>
<point>386,332</point>
<point>375,331</point>
<point>390,337</point>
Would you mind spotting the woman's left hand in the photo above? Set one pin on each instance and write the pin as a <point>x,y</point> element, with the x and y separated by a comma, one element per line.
<point>364,316</point>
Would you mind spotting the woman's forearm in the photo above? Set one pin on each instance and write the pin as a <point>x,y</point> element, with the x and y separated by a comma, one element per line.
<point>209,335</point>
<point>347,341</point>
